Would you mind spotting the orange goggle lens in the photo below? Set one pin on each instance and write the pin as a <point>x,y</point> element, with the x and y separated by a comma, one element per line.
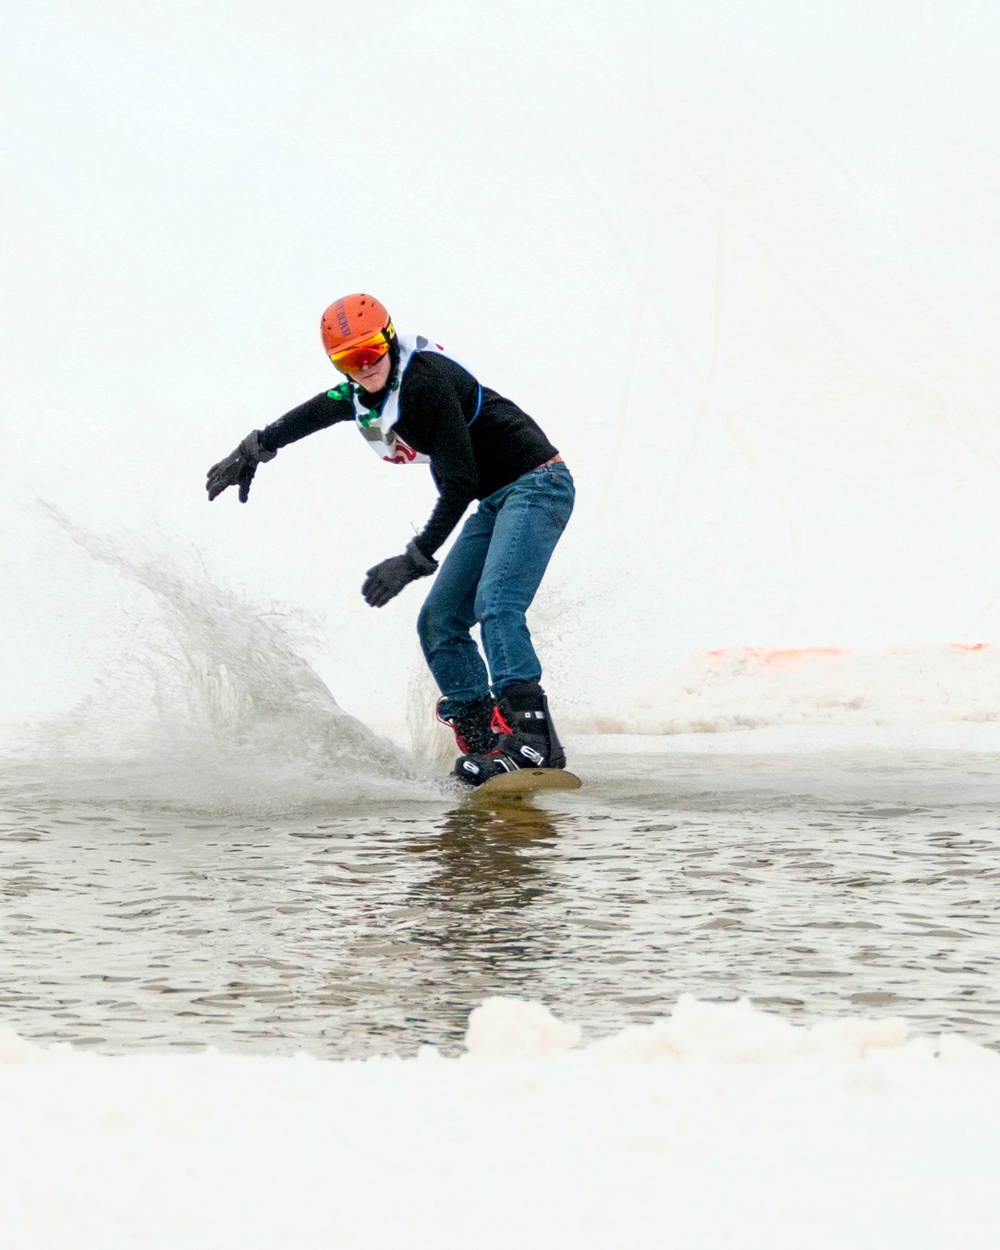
<point>355,357</point>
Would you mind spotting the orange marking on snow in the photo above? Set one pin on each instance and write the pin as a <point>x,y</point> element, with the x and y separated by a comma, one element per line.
<point>789,658</point>
<point>785,658</point>
<point>969,646</point>
<point>778,658</point>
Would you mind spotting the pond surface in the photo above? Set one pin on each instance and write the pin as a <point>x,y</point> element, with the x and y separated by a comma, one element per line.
<point>817,885</point>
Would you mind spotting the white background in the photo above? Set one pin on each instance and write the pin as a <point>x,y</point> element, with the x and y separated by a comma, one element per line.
<point>739,259</point>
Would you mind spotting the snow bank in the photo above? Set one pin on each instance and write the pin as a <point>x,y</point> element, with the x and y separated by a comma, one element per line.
<point>719,1126</point>
<point>742,688</point>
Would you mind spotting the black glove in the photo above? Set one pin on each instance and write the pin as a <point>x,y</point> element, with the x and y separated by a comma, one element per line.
<point>386,580</point>
<point>238,467</point>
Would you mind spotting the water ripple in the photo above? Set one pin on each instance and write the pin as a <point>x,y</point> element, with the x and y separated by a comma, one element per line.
<point>814,886</point>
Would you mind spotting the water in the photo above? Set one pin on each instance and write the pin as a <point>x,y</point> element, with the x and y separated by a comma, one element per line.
<point>817,885</point>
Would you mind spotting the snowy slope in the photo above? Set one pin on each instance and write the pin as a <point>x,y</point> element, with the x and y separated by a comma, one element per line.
<point>739,260</point>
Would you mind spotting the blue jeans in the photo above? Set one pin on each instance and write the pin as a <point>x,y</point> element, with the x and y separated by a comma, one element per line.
<point>490,576</point>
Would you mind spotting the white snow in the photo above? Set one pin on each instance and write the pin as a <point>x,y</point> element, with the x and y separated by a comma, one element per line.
<point>717,1126</point>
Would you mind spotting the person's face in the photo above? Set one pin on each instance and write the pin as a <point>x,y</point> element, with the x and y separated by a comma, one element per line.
<point>373,377</point>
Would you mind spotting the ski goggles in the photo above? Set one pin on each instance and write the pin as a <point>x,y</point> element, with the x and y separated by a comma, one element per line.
<point>368,352</point>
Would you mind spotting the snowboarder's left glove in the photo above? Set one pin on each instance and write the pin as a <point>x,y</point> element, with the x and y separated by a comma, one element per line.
<point>238,467</point>
<point>386,580</point>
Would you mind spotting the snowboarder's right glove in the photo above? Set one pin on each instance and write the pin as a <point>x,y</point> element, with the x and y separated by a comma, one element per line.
<point>238,467</point>
<point>386,580</point>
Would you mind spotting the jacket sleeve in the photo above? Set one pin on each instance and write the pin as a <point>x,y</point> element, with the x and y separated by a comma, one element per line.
<point>318,413</point>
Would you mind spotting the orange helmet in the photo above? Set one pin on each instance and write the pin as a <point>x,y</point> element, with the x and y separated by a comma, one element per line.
<point>353,319</point>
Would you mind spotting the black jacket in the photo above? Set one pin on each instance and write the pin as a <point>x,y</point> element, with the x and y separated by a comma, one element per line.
<point>472,453</point>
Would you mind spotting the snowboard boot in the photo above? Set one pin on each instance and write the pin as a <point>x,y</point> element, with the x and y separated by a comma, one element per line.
<point>472,726</point>
<point>527,737</point>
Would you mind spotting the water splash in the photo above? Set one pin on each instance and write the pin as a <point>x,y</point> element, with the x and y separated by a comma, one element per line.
<point>211,702</point>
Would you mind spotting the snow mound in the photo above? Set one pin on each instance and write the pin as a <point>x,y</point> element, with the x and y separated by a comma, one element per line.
<point>505,1028</point>
<point>719,1033</point>
<point>737,1033</point>
<point>14,1049</point>
<point>756,687</point>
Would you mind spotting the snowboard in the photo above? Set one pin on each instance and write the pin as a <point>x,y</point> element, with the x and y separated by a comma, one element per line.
<point>523,782</point>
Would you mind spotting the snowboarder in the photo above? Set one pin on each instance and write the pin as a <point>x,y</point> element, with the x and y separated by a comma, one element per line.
<point>414,404</point>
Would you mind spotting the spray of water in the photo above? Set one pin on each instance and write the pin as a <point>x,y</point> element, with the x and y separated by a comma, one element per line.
<point>211,702</point>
